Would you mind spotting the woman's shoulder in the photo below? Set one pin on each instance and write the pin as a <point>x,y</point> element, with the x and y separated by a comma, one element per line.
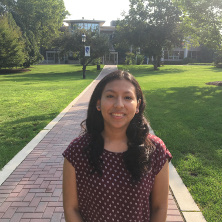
<point>160,147</point>
<point>81,141</point>
<point>156,141</point>
<point>77,145</point>
<point>160,155</point>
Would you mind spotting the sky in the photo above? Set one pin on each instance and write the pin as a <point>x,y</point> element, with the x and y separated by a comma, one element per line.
<point>106,10</point>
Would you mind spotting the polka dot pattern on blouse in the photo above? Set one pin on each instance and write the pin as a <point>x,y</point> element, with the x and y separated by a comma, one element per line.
<point>113,197</point>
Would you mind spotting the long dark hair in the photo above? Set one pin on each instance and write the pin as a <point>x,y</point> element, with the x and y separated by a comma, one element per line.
<point>136,158</point>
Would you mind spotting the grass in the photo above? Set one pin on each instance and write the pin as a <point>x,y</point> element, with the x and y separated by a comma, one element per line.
<point>186,113</point>
<point>183,111</point>
<point>30,100</point>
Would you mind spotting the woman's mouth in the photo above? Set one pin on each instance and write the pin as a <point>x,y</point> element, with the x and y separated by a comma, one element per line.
<point>118,115</point>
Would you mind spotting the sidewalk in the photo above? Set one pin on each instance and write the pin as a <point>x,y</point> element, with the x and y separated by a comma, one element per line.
<point>31,189</point>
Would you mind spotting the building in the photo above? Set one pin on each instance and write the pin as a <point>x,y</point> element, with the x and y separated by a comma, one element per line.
<point>52,57</point>
<point>177,55</point>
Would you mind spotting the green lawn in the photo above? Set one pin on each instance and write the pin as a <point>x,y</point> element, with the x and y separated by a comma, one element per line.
<point>184,111</point>
<point>187,114</point>
<point>30,100</point>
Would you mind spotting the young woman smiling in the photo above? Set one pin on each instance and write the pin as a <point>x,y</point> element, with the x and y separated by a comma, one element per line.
<point>116,170</point>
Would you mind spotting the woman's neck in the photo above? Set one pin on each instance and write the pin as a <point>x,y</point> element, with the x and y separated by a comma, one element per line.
<point>115,141</point>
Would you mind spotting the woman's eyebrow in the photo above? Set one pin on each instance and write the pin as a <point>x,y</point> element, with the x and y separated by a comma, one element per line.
<point>111,90</point>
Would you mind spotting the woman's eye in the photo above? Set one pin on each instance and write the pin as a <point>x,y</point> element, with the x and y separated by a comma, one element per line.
<point>109,96</point>
<point>128,98</point>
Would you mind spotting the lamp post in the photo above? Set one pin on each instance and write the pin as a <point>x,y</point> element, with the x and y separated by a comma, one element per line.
<point>84,67</point>
<point>83,38</point>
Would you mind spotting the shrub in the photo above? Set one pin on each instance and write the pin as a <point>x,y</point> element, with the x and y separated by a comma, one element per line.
<point>130,58</point>
<point>218,59</point>
<point>140,59</point>
<point>189,60</point>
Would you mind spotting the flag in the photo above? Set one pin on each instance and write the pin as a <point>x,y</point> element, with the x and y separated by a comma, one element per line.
<point>87,50</point>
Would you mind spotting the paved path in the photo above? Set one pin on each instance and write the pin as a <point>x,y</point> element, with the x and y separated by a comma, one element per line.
<point>33,191</point>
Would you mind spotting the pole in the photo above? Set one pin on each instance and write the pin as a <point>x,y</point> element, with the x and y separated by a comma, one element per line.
<point>84,67</point>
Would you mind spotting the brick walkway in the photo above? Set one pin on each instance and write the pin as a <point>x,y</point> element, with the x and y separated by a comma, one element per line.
<point>33,192</point>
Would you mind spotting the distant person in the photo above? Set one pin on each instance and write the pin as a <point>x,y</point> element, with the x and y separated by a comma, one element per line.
<point>116,170</point>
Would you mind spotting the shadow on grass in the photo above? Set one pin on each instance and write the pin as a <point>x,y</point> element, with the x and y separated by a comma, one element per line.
<point>13,71</point>
<point>14,135</point>
<point>141,71</point>
<point>215,69</point>
<point>189,120</point>
<point>50,76</point>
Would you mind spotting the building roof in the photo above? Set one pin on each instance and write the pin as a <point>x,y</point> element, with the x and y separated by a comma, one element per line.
<point>108,28</point>
<point>100,22</point>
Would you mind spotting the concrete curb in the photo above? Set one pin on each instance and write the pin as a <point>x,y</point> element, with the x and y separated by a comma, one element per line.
<point>187,205</point>
<point>20,156</point>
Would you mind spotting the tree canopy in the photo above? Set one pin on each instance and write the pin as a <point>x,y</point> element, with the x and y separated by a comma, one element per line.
<point>69,42</point>
<point>151,25</point>
<point>201,22</point>
<point>42,18</point>
<point>39,21</point>
<point>12,45</point>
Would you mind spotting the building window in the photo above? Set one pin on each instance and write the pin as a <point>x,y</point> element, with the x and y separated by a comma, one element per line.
<point>193,54</point>
<point>50,56</point>
<point>86,26</point>
<point>173,55</point>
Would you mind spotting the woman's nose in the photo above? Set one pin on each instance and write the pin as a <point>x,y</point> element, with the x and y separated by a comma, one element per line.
<point>119,102</point>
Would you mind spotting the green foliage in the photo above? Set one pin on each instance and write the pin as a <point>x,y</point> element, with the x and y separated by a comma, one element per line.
<point>201,22</point>
<point>130,58</point>
<point>121,41</point>
<point>32,49</point>
<point>189,60</point>
<point>11,43</point>
<point>151,25</point>
<point>139,59</point>
<point>218,59</point>
<point>39,21</point>
<point>69,42</point>
<point>42,18</point>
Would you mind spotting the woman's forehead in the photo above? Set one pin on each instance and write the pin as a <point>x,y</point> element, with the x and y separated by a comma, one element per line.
<point>120,86</point>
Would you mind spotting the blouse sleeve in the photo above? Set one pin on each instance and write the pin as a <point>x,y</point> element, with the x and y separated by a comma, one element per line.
<point>160,155</point>
<point>74,152</point>
<point>70,151</point>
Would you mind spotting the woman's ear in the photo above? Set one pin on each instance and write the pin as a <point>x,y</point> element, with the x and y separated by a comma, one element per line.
<point>138,103</point>
<point>98,105</point>
<point>138,106</point>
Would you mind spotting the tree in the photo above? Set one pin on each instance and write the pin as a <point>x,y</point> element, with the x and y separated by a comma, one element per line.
<point>12,51</point>
<point>202,22</point>
<point>151,25</point>
<point>43,18</point>
<point>32,49</point>
<point>218,59</point>
<point>72,43</point>
<point>39,21</point>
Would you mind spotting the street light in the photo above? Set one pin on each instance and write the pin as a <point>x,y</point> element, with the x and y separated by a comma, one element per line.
<point>84,68</point>
<point>83,38</point>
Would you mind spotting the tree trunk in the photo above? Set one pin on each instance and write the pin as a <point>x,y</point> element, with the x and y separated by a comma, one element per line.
<point>158,61</point>
<point>155,63</point>
<point>84,71</point>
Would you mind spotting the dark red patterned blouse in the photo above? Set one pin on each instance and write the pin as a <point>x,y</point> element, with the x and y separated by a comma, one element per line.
<point>112,197</point>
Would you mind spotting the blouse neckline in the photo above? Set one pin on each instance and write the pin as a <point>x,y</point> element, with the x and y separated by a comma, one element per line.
<point>112,152</point>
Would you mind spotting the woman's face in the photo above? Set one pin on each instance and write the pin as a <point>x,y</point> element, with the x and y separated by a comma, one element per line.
<point>118,104</point>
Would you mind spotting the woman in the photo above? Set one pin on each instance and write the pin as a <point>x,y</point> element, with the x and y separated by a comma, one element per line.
<point>116,171</point>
